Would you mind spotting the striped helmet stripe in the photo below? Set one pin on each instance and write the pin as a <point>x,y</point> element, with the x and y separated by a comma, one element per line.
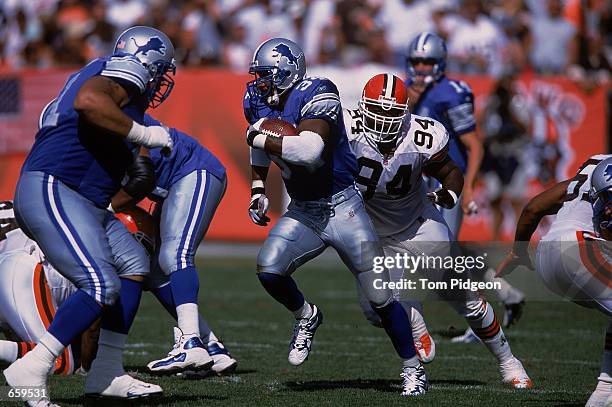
<point>422,40</point>
<point>388,86</point>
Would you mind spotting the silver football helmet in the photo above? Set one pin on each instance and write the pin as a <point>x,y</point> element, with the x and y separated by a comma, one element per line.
<point>429,48</point>
<point>277,64</point>
<point>155,50</point>
<point>601,197</point>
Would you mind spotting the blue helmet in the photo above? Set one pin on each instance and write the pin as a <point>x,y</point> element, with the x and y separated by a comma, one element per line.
<point>155,50</point>
<point>427,47</point>
<point>601,196</point>
<point>277,64</point>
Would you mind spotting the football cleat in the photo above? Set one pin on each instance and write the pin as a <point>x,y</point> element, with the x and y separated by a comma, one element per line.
<point>423,342</point>
<point>223,361</point>
<point>29,371</point>
<point>514,373</point>
<point>415,381</point>
<point>512,313</point>
<point>602,396</point>
<point>119,387</point>
<point>303,332</point>
<point>468,337</point>
<point>188,353</point>
<point>42,403</point>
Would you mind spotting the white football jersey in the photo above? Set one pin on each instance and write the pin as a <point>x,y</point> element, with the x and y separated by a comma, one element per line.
<point>393,186</point>
<point>11,236</point>
<point>576,212</point>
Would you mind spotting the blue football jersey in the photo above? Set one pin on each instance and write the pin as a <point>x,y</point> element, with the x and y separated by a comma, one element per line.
<point>187,155</point>
<point>452,104</point>
<point>312,98</point>
<point>85,158</point>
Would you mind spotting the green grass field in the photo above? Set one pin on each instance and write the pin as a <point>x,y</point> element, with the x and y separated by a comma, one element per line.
<point>353,363</point>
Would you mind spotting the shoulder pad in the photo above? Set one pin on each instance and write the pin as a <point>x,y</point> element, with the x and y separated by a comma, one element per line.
<point>128,68</point>
<point>428,137</point>
<point>320,99</point>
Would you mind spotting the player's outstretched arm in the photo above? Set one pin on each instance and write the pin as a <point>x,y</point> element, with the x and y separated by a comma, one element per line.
<point>99,102</point>
<point>547,203</point>
<point>305,150</point>
<point>451,178</point>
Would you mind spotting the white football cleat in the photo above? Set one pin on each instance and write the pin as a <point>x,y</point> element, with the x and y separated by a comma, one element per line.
<point>119,387</point>
<point>223,361</point>
<point>30,371</point>
<point>42,403</point>
<point>303,332</point>
<point>423,342</point>
<point>602,396</point>
<point>188,353</point>
<point>415,381</point>
<point>514,373</point>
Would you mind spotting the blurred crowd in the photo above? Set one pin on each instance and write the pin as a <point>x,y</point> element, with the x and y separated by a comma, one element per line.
<point>496,37</point>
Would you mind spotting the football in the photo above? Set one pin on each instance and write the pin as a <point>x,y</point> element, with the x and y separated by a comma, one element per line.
<point>278,128</point>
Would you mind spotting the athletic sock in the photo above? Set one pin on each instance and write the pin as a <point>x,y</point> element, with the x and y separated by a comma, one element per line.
<point>164,296</point>
<point>411,362</point>
<point>283,289</point>
<point>9,351</point>
<point>305,311</point>
<point>206,334</point>
<point>187,318</point>
<point>120,316</point>
<point>397,326</point>
<point>47,350</point>
<point>74,316</point>
<point>487,328</point>
<point>185,286</point>
<point>110,352</point>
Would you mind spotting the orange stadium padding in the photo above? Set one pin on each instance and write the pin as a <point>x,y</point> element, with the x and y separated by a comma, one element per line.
<point>207,104</point>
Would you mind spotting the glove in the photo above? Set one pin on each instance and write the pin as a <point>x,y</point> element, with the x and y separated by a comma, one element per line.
<point>151,137</point>
<point>141,178</point>
<point>258,208</point>
<point>253,132</point>
<point>443,197</point>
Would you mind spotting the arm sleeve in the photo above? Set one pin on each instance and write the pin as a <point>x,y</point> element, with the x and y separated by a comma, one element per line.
<point>460,110</point>
<point>323,102</point>
<point>127,69</point>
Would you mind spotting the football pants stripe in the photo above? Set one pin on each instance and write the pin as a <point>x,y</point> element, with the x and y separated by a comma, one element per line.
<point>71,238</point>
<point>193,220</point>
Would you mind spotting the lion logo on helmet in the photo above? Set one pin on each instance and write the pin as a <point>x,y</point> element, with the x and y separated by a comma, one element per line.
<point>153,44</point>
<point>284,50</point>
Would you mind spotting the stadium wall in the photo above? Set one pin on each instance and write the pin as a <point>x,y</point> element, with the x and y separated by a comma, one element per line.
<point>208,105</point>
